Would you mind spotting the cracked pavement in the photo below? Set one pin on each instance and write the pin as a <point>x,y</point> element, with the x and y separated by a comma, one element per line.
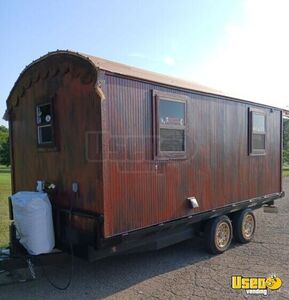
<point>182,271</point>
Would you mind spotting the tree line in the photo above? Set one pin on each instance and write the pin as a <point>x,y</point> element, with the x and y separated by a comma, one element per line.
<point>4,146</point>
<point>286,142</point>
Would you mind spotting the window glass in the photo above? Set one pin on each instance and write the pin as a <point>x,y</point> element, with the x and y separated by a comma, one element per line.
<point>44,124</point>
<point>45,134</point>
<point>257,138</point>
<point>170,125</point>
<point>171,113</point>
<point>44,114</point>
<point>172,140</point>
<point>258,122</point>
<point>258,141</point>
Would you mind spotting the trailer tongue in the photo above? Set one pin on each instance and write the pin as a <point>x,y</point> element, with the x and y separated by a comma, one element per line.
<point>11,263</point>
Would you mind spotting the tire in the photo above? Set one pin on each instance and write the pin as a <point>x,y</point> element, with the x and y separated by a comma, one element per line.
<point>218,233</point>
<point>244,225</point>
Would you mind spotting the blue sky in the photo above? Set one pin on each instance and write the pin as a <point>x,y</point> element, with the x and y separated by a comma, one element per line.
<point>212,42</point>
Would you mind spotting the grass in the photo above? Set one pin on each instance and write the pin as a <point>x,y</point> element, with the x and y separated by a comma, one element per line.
<point>285,171</point>
<point>5,191</point>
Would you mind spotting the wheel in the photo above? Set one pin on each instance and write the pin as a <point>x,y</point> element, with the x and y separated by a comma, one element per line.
<point>218,234</point>
<point>244,224</point>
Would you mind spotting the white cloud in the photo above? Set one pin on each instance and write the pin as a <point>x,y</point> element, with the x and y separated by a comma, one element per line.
<point>253,59</point>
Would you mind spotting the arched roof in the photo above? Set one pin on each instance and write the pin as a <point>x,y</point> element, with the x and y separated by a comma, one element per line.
<point>96,63</point>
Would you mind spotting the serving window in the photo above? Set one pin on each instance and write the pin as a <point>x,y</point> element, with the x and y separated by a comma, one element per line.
<point>257,132</point>
<point>170,126</point>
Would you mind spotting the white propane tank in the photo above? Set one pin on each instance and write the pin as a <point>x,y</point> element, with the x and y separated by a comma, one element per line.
<point>33,220</point>
<point>39,186</point>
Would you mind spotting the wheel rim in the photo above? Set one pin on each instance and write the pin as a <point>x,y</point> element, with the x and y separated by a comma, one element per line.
<point>248,226</point>
<point>223,234</point>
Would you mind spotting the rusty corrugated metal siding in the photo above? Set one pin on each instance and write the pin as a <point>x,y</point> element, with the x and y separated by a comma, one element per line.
<point>140,192</point>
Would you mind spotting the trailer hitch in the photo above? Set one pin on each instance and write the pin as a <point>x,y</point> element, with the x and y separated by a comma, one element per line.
<point>9,268</point>
<point>10,264</point>
<point>31,268</point>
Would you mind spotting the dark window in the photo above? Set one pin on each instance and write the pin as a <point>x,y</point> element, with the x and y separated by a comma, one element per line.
<point>44,120</point>
<point>172,113</point>
<point>172,140</point>
<point>258,142</point>
<point>170,125</point>
<point>257,138</point>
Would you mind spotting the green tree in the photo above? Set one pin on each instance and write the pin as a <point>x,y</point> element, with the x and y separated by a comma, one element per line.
<point>4,146</point>
<point>286,141</point>
<point>5,153</point>
<point>286,156</point>
<point>286,133</point>
<point>3,134</point>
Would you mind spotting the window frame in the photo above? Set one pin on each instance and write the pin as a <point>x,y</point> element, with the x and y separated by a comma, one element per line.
<point>48,145</point>
<point>252,151</point>
<point>157,153</point>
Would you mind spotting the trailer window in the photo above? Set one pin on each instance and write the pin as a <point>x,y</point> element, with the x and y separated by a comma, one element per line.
<point>170,125</point>
<point>257,142</point>
<point>44,120</point>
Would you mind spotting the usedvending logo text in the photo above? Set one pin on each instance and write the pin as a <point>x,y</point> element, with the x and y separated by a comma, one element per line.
<point>256,285</point>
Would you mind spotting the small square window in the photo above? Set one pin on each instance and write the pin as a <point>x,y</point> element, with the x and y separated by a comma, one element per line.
<point>257,132</point>
<point>44,120</point>
<point>169,125</point>
<point>45,134</point>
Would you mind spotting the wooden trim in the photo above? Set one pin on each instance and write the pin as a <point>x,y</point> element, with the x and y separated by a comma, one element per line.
<point>170,96</point>
<point>105,135</point>
<point>12,161</point>
<point>157,96</point>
